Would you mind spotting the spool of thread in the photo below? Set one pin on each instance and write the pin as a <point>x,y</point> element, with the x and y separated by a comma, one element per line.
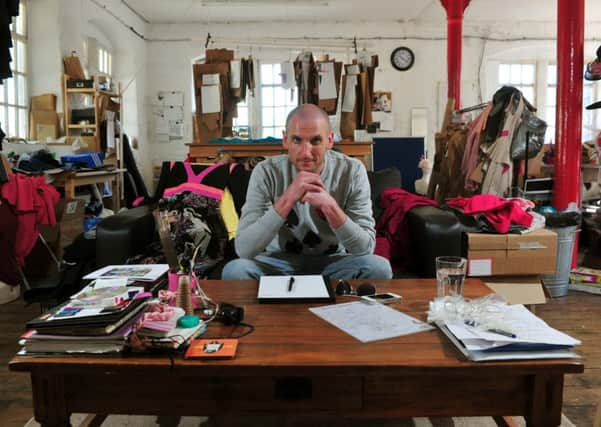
<point>183,298</point>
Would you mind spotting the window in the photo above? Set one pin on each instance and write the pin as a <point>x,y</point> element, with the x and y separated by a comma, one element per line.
<point>591,119</point>
<point>550,100</point>
<point>264,115</point>
<point>241,127</point>
<point>104,61</point>
<point>520,76</point>
<point>13,92</point>
<point>276,102</point>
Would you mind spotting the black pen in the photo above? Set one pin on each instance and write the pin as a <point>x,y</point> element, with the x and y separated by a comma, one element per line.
<point>290,283</point>
<point>502,332</point>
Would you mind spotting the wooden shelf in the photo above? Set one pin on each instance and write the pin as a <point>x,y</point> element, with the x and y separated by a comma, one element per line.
<point>74,130</point>
<point>81,126</point>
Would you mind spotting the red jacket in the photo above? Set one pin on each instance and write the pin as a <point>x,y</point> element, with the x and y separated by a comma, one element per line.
<point>33,201</point>
<point>392,235</point>
<point>498,211</point>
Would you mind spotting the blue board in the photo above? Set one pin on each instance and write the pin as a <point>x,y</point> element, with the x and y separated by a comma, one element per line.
<point>403,153</point>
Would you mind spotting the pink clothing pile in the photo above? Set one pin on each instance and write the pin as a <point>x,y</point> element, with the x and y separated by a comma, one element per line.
<point>500,212</point>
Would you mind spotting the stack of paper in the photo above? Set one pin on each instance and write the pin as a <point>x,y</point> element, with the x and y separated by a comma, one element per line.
<point>523,336</point>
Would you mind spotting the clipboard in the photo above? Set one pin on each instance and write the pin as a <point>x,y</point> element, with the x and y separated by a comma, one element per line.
<point>305,288</point>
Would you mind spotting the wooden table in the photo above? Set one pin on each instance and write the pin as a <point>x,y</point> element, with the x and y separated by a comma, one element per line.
<point>70,180</point>
<point>203,153</point>
<point>296,363</point>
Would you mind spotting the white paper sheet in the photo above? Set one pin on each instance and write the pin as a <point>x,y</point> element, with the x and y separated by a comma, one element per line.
<point>211,99</point>
<point>210,79</point>
<point>327,81</point>
<point>174,113</point>
<point>235,74</point>
<point>348,103</point>
<point>287,75</point>
<point>368,321</point>
<point>304,286</point>
<point>148,272</point>
<point>386,120</point>
<point>161,124</point>
<point>175,98</point>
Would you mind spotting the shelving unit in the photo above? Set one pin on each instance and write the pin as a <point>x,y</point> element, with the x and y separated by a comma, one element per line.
<point>89,132</point>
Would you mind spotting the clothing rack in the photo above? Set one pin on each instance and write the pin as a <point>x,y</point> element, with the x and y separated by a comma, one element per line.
<point>472,108</point>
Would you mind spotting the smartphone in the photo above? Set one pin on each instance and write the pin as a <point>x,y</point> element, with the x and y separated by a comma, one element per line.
<point>383,298</point>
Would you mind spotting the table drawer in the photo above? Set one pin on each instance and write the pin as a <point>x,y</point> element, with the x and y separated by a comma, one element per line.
<point>196,395</point>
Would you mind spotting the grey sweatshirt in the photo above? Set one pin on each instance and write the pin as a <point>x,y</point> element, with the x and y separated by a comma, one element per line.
<point>305,231</point>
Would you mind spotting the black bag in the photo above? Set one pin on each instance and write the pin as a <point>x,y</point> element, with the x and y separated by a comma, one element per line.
<point>533,127</point>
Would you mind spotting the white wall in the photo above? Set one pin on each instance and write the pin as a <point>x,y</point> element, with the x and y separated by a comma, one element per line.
<point>58,27</point>
<point>163,61</point>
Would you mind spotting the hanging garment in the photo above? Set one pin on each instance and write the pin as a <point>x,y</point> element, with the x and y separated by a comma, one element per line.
<point>392,233</point>
<point>305,70</point>
<point>472,148</point>
<point>33,201</point>
<point>8,9</point>
<point>499,171</point>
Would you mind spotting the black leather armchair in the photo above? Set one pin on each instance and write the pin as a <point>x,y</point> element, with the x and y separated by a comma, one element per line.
<point>433,231</point>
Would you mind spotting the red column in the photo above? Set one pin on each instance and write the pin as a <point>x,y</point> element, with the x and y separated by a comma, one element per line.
<point>454,10</point>
<point>568,119</point>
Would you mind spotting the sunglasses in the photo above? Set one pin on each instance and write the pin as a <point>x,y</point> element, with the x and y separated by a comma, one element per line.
<point>345,288</point>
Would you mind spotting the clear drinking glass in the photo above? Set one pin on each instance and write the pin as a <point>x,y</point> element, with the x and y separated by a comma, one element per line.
<point>450,275</point>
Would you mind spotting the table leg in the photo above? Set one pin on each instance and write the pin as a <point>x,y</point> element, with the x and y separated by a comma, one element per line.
<point>547,397</point>
<point>117,193</point>
<point>49,404</point>
<point>69,189</point>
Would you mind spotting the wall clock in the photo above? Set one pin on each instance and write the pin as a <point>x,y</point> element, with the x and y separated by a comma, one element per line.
<point>402,58</point>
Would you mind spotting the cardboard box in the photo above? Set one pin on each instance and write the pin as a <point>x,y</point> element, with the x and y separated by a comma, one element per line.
<point>70,215</point>
<point>511,254</point>
<point>518,289</point>
<point>45,102</point>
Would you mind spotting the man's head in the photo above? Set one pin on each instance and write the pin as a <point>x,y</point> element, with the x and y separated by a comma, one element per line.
<point>307,137</point>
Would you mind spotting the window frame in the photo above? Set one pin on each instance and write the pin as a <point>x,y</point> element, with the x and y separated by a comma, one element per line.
<point>256,104</point>
<point>14,116</point>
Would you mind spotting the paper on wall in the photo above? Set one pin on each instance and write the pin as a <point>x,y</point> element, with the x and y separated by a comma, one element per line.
<point>235,73</point>
<point>174,113</point>
<point>210,79</point>
<point>327,81</point>
<point>348,103</point>
<point>211,99</point>
<point>287,75</point>
<point>175,98</point>
<point>386,120</point>
<point>161,125</point>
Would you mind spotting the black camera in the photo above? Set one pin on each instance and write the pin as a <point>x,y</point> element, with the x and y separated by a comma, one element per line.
<point>230,314</point>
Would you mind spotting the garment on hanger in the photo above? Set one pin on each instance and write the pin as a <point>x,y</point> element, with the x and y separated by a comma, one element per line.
<point>307,78</point>
<point>499,170</point>
<point>8,9</point>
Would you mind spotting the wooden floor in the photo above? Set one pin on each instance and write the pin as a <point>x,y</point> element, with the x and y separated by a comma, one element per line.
<point>578,314</point>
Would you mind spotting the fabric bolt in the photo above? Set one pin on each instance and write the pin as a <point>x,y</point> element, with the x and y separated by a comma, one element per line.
<point>33,202</point>
<point>392,232</point>
<point>500,212</point>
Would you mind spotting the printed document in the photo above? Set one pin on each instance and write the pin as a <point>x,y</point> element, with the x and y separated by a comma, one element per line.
<point>145,272</point>
<point>302,286</point>
<point>368,321</point>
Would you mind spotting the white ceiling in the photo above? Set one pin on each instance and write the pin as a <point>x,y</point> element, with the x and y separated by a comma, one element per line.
<point>208,11</point>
